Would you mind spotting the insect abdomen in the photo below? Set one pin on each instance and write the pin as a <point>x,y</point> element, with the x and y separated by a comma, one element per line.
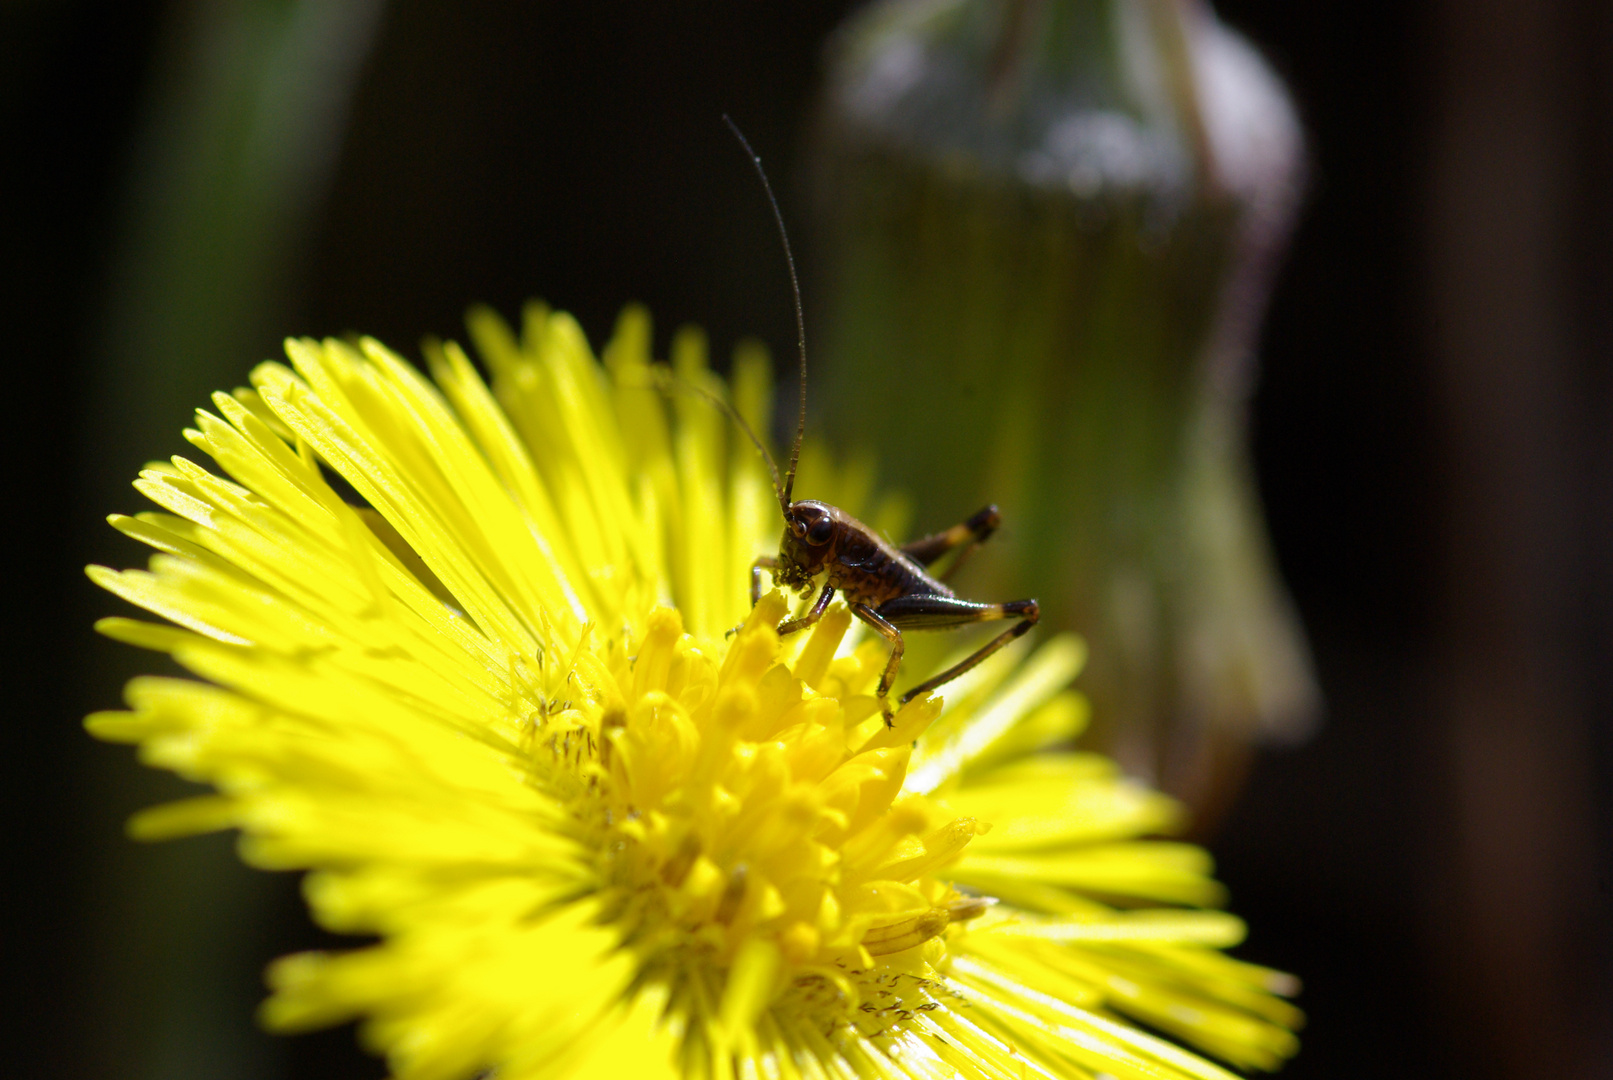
<point>869,571</point>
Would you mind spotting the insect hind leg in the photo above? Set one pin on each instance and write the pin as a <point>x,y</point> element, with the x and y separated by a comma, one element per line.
<point>943,612</point>
<point>974,532</point>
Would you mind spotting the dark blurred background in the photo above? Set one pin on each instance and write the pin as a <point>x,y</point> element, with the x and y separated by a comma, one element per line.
<point>1433,433</point>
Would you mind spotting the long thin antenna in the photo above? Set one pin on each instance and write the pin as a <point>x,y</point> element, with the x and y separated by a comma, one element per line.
<point>800,317</point>
<point>667,382</point>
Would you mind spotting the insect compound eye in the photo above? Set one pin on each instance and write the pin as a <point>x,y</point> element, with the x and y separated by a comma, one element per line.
<point>818,532</point>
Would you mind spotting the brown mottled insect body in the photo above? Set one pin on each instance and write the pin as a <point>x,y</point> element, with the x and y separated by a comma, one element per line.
<point>889,588</point>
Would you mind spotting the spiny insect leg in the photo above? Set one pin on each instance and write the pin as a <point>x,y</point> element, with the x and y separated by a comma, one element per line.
<point>892,635</point>
<point>1024,610</point>
<point>973,532</point>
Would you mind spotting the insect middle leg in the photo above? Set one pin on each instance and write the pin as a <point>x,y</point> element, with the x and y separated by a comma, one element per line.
<point>945,612</point>
<point>892,635</point>
<point>973,532</point>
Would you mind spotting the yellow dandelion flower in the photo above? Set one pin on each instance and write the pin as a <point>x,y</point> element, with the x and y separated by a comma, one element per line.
<point>494,713</point>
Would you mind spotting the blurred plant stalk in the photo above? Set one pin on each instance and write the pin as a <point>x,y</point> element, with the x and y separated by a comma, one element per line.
<point>1048,236</point>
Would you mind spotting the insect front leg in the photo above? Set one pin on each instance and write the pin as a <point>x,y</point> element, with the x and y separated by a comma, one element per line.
<point>892,635</point>
<point>973,532</point>
<point>763,562</point>
<point>790,626</point>
<point>946,612</point>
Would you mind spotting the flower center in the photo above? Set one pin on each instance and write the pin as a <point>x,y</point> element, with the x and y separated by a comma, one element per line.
<point>748,802</point>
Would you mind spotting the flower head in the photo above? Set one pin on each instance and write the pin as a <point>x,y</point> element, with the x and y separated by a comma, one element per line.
<point>494,713</point>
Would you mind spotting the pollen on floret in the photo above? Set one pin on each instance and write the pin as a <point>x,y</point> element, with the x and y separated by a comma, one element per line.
<point>745,808</point>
